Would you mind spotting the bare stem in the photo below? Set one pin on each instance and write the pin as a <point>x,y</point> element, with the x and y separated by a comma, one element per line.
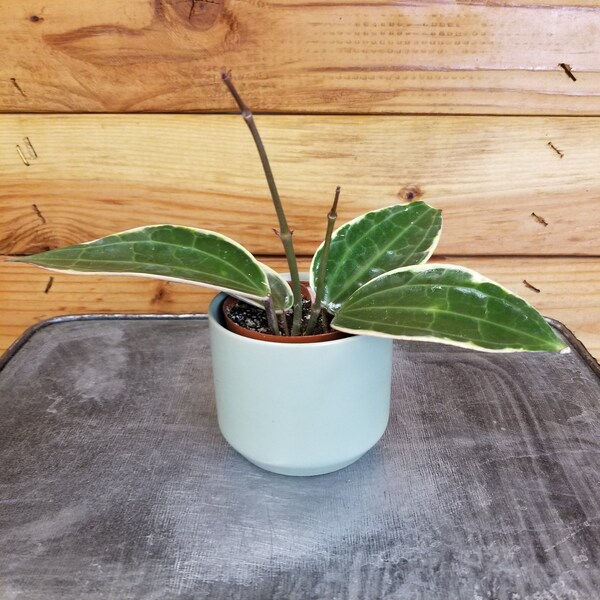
<point>315,309</point>
<point>271,316</point>
<point>284,324</point>
<point>284,231</point>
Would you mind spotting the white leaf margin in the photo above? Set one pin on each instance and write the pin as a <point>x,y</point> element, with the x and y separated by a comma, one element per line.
<point>429,254</point>
<point>242,295</point>
<point>476,278</point>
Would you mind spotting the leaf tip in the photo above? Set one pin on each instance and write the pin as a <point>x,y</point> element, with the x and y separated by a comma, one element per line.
<point>561,347</point>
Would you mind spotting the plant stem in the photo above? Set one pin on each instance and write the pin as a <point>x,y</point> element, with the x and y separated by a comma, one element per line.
<point>284,324</point>
<point>315,309</point>
<point>271,316</point>
<point>284,231</point>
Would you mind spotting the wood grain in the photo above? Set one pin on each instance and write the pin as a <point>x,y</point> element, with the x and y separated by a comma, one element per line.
<point>569,290</point>
<point>503,188</point>
<point>297,56</point>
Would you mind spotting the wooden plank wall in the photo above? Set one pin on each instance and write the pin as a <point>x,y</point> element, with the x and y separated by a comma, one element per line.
<point>488,110</point>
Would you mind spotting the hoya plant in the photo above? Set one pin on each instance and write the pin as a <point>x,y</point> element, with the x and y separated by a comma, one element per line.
<point>369,276</point>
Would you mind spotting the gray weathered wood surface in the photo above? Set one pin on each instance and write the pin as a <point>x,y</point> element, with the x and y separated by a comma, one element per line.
<point>115,482</point>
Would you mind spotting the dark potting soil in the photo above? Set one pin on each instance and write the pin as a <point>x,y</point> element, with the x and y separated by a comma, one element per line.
<point>255,319</point>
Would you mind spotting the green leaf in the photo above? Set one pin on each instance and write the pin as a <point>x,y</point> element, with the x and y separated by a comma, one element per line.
<point>373,244</point>
<point>170,252</point>
<point>447,304</point>
<point>281,292</point>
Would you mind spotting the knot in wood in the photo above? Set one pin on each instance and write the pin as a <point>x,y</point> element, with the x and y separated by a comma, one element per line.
<point>194,14</point>
<point>410,193</point>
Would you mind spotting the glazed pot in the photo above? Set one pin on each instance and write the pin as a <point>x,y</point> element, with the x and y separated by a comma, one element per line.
<point>299,409</point>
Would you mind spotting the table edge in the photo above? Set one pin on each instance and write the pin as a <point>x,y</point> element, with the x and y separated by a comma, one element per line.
<point>14,348</point>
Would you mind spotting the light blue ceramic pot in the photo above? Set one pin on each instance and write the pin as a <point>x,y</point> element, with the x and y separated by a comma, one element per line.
<point>300,409</point>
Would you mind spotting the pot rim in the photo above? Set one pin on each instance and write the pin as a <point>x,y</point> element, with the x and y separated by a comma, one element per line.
<point>318,338</point>
<point>215,317</point>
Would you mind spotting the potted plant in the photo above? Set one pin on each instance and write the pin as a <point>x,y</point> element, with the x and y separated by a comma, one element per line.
<point>316,406</point>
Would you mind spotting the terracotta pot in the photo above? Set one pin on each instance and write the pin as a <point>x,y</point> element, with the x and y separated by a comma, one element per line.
<point>230,302</point>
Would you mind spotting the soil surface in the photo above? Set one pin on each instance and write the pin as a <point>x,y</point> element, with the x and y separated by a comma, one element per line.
<point>255,319</point>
